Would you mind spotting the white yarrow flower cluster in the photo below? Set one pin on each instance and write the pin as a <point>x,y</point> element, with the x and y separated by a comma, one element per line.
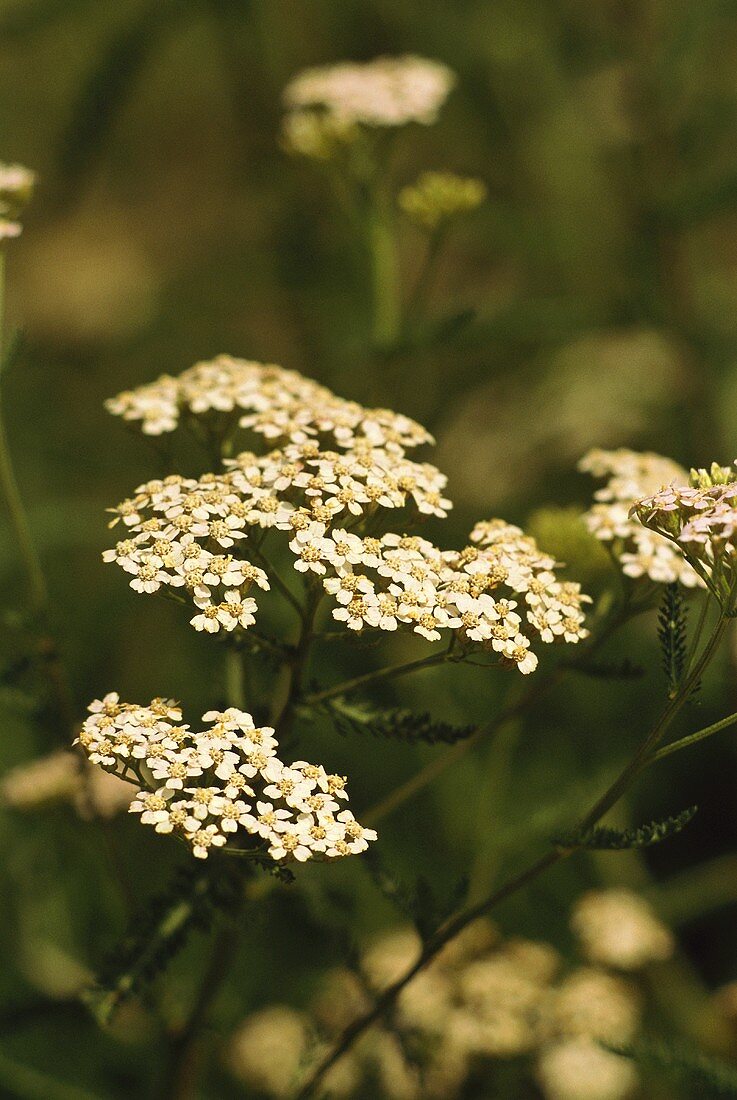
<point>337,470</point>
<point>207,786</point>
<point>385,92</point>
<point>279,404</point>
<point>631,475</point>
<point>499,593</point>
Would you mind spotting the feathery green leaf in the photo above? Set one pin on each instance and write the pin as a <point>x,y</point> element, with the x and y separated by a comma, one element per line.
<point>607,839</point>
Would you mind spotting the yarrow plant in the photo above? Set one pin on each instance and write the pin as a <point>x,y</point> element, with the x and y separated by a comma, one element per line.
<point>313,506</point>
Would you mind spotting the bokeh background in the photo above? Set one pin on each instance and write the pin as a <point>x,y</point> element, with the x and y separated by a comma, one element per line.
<point>592,301</point>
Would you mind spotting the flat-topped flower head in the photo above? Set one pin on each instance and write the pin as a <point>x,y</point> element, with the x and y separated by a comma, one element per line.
<point>279,405</point>
<point>221,782</point>
<point>497,595</point>
<point>385,92</point>
<point>700,519</point>
<point>641,553</point>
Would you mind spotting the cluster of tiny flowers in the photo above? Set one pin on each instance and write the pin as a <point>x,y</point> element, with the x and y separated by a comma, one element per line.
<point>337,468</point>
<point>389,91</point>
<point>405,580</point>
<point>279,404</point>
<point>641,552</point>
<point>437,197</point>
<point>179,534</point>
<point>207,786</point>
<point>482,999</point>
<point>700,519</point>
<point>16,188</point>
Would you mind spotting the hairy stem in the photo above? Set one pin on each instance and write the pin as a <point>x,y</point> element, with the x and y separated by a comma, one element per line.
<point>644,756</point>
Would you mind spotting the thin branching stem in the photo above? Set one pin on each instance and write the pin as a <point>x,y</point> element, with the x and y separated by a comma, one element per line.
<point>645,755</point>
<point>421,779</point>
<point>694,738</point>
<point>391,672</point>
<point>277,581</point>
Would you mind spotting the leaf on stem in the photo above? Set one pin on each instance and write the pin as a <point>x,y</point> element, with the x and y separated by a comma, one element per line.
<point>672,634</point>
<point>602,838</point>
<point>396,725</point>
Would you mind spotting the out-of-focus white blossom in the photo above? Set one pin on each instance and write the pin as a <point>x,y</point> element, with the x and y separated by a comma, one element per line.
<point>63,777</point>
<point>207,786</point>
<point>580,1069</point>
<point>618,928</point>
<point>481,999</point>
<point>16,189</point>
<point>388,91</point>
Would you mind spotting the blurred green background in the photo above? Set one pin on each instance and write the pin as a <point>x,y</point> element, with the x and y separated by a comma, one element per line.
<point>592,301</point>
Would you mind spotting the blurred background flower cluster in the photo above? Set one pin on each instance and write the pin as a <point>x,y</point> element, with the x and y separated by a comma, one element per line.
<point>586,298</point>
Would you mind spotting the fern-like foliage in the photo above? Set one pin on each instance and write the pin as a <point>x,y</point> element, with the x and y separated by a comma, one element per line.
<point>157,934</point>
<point>699,1075</point>
<point>396,725</point>
<point>606,839</point>
<point>672,633</point>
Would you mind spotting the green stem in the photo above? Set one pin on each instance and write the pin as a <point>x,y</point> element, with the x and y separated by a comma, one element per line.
<point>276,580</point>
<point>187,1053</point>
<point>382,674</point>
<point>699,628</point>
<point>19,525</point>
<point>436,767</point>
<point>384,269</point>
<point>234,678</point>
<point>424,280</point>
<point>694,738</point>
<point>298,665</point>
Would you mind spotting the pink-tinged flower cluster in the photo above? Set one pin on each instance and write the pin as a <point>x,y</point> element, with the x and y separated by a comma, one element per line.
<point>222,783</point>
<point>701,519</point>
